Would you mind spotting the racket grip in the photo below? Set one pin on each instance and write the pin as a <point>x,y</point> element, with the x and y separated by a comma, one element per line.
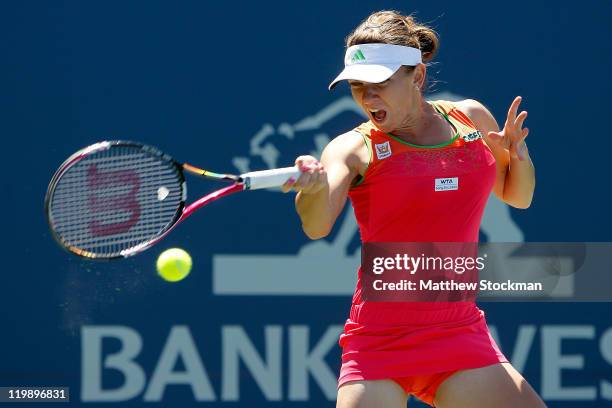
<point>269,178</point>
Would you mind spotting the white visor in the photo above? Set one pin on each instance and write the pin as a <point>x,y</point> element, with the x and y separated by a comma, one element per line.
<point>375,63</point>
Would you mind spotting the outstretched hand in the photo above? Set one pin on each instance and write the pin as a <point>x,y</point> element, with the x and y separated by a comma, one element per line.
<point>512,136</point>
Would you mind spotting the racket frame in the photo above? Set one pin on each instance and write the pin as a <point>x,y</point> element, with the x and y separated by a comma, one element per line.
<point>247,181</point>
<point>182,211</point>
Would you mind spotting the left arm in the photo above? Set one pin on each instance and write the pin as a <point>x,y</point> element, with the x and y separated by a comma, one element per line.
<point>515,181</point>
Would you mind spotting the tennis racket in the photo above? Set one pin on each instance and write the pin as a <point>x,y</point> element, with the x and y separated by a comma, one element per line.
<point>115,199</point>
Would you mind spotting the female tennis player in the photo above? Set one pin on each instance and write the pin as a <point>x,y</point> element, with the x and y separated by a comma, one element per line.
<point>441,353</point>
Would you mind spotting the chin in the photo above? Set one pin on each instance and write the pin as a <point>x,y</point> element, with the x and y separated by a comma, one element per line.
<point>379,126</point>
<point>384,127</point>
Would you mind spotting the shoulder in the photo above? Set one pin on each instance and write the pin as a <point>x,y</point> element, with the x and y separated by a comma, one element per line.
<point>346,143</point>
<point>477,113</point>
<point>349,148</point>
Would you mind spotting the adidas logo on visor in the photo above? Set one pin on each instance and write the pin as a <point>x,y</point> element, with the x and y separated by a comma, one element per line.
<point>357,57</point>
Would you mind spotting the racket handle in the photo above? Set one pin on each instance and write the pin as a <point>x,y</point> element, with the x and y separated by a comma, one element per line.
<point>269,178</point>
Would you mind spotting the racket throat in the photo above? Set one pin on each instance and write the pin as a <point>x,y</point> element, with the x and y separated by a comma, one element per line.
<point>209,174</point>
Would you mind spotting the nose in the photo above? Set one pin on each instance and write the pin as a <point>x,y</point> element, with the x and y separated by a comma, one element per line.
<point>370,93</point>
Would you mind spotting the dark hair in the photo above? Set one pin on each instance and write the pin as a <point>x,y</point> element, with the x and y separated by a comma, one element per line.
<point>391,27</point>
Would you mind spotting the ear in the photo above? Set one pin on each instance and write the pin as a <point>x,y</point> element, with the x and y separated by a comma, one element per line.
<point>418,79</point>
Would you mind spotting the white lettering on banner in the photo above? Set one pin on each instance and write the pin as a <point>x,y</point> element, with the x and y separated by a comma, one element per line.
<point>553,362</point>
<point>522,345</point>
<point>266,368</point>
<point>92,365</point>
<point>301,362</point>
<point>605,347</point>
<point>180,344</point>
<point>236,347</point>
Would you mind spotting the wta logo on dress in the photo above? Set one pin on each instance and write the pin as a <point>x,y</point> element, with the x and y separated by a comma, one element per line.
<point>383,150</point>
<point>447,184</point>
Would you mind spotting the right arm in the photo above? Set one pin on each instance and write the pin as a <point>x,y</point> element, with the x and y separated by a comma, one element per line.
<point>323,187</point>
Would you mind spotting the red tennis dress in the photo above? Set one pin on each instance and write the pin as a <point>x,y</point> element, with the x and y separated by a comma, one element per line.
<point>419,344</point>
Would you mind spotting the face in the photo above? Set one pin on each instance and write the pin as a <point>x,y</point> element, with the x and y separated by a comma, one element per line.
<point>394,104</point>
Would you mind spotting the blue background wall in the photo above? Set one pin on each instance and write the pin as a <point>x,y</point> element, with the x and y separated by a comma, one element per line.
<point>201,79</point>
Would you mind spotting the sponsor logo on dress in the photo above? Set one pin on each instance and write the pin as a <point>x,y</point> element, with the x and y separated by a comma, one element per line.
<point>383,150</point>
<point>447,184</point>
<point>473,136</point>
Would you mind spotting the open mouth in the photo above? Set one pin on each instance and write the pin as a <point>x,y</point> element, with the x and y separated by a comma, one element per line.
<point>378,115</point>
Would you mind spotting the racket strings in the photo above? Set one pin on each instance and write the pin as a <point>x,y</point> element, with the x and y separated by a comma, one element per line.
<point>70,200</point>
<point>115,199</point>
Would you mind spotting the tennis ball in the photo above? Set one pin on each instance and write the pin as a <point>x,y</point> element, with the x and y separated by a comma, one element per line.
<point>173,264</point>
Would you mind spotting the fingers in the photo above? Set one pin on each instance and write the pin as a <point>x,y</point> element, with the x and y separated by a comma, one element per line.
<point>496,137</point>
<point>518,123</point>
<point>304,161</point>
<point>288,184</point>
<point>524,133</point>
<point>312,179</point>
<point>513,109</point>
<point>514,124</point>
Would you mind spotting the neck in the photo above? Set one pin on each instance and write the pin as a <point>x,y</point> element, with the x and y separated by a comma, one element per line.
<point>418,121</point>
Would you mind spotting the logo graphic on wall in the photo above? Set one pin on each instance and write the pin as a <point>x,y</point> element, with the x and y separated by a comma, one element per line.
<point>325,260</point>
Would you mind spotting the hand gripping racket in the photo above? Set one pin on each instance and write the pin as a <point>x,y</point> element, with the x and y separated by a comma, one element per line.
<point>115,199</point>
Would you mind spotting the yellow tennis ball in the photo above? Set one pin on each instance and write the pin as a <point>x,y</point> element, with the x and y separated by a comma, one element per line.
<point>173,264</point>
